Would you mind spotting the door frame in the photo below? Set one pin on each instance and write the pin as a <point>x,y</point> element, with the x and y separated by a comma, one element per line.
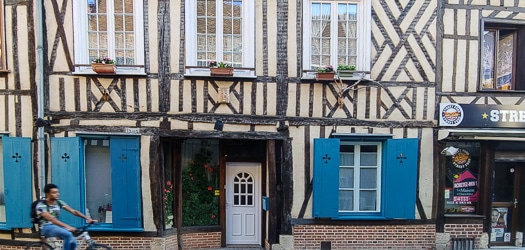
<point>518,169</point>
<point>257,199</point>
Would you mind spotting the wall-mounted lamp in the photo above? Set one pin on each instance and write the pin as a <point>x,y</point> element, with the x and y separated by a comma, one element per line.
<point>218,125</point>
<point>449,151</point>
<point>39,122</point>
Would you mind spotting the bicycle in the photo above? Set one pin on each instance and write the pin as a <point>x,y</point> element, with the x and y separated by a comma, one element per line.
<point>52,243</point>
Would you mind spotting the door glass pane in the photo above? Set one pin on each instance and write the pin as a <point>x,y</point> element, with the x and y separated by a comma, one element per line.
<point>503,183</point>
<point>98,180</point>
<point>243,190</point>
<point>2,200</point>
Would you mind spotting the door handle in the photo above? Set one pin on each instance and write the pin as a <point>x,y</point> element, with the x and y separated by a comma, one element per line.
<point>515,202</point>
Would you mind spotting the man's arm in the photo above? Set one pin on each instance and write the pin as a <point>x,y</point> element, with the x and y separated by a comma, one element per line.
<point>78,214</point>
<point>47,216</point>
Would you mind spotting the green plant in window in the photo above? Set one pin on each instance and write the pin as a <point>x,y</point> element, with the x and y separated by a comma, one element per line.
<point>168,202</point>
<point>215,64</point>
<point>200,205</point>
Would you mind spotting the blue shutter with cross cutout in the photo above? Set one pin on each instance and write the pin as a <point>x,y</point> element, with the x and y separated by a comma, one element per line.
<point>17,181</point>
<point>66,174</point>
<point>125,178</point>
<point>326,178</point>
<point>400,178</point>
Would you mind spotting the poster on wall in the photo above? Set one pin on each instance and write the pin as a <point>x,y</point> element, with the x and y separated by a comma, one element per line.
<point>465,187</point>
<point>499,224</point>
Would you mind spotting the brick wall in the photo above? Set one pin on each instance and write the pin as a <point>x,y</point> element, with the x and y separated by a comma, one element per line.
<point>125,242</point>
<point>365,237</point>
<point>465,231</point>
<point>201,240</point>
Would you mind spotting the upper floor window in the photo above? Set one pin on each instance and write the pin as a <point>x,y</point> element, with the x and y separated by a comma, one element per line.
<point>337,33</point>
<point>502,56</point>
<point>364,177</point>
<point>220,30</point>
<point>109,28</point>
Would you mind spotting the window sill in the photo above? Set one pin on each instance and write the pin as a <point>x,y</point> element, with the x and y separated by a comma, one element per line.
<point>501,91</point>
<point>308,76</point>
<point>128,70</point>
<point>204,72</point>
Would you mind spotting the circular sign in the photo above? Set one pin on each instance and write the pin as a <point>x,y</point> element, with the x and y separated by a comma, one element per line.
<point>452,114</point>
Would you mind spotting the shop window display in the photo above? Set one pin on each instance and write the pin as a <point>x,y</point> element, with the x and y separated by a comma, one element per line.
<point>461,182</point>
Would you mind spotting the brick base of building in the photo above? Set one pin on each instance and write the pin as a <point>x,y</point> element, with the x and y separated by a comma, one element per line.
<point>364,236</point>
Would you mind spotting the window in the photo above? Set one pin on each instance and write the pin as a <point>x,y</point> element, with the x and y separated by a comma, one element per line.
<point>100,178</point>
<point>461,181</point>
<point>222,30</point>
<point>502,55</point>
<point>15,174</point>
<point>360,177</point>
<point>109,28</point>
<point>337,33</point>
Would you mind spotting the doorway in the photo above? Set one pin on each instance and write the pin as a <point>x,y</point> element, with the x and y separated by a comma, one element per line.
<point>506,214</point>
<point>243,203</point>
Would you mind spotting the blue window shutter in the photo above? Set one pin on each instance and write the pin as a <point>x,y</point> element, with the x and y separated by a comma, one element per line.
<point>66,174</point>
<point>17,181</point>
<point>326,178</point>
<point>125,178</point>
<point>400,178</point>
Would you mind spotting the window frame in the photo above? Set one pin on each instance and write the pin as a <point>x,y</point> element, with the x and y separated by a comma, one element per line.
<point>518,77</point>
<point>248,33</point>
<point>3,48</point>
<point>82,63</point>
<point>399,168</point>
<point>364,33</point>
<point>76,173</point>
<point>357,178</point>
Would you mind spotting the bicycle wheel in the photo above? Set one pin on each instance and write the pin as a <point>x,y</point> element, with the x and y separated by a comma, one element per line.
<point>38,246</point>
<point>98,247</point>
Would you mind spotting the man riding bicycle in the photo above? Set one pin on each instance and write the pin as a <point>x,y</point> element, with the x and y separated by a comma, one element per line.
<point>48,212</point>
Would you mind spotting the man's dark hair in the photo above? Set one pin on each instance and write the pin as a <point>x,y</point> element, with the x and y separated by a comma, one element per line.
<point>48,187</point>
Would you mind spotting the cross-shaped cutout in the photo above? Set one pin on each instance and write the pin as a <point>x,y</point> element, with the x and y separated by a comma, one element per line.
<point>16,157</point>
<point>65,157</point>
<point>326,158</point>
<point>401,157</point>
<point>123,158</point>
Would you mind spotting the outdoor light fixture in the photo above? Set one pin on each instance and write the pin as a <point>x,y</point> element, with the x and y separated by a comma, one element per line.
<point>449,151</point>
<point>39,122</point>
<point>218,125</point>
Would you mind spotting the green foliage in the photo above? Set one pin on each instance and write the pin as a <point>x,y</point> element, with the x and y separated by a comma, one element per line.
<point>168,202</point>
<point>345,67</point>
<point>215,64</point>
<point>200,206</point>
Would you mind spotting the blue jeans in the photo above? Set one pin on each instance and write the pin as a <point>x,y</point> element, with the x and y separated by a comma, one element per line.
<point>67,237</point>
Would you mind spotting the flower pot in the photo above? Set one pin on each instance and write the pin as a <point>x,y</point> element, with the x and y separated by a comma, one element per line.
<point>346,73</point>
<point>221,71</point>
<point>324,76</point>
<point>104,68</point>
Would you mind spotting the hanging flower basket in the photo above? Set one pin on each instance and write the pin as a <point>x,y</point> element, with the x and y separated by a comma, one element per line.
<point>324,76</point>
<point>221,71</point>
<point>104,68</point>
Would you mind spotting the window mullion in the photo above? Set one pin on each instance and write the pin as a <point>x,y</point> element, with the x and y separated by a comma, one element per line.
<point>219,35</point>
<point>357,174</point>
<point>334,22</point>
<point>111,29</point>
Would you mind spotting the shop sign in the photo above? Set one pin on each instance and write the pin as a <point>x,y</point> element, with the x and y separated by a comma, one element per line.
<point>481,115</point>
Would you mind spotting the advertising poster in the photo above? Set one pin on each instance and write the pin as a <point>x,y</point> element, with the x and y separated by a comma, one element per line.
<point>498,223</point>
<point>465,187</point>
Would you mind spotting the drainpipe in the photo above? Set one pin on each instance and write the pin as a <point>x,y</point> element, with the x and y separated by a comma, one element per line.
<point>40,91</point>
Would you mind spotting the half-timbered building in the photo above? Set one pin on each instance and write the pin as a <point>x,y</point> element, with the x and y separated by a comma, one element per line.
<point>166,155</point>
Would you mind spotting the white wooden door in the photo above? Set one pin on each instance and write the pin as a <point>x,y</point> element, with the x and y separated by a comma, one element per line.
<point>243,203</point>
